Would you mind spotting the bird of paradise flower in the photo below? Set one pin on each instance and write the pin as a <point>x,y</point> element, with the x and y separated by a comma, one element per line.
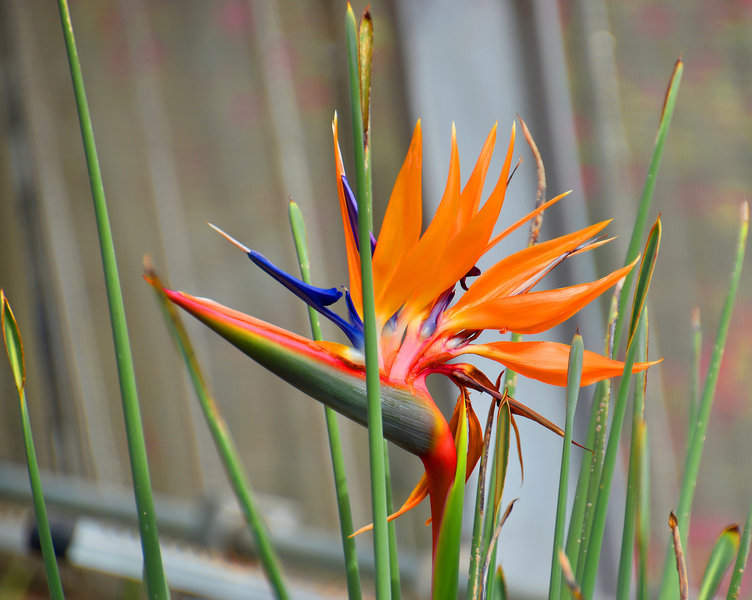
<point>423,328</point>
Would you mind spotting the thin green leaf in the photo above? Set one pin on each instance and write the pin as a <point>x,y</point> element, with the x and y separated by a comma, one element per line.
<point>574,374</point>
<point>741,559</point>
<point>646,199</point>
<point>13,344</point>
<point>624,578</point>
<point>297,224</point>
<point>500,585</point>
<point>487,583</point>
<point>580,520</point>
<point>646,274</point>
<point>224,441</point>
<point>590,568</point>
<point>498,477</point>
<point>476,544</point>
<point>696,378</point>
<point>156,582</point>
<point>643,514</point>
<point>720,560</point>
<point>446,560</point>
<point>365,220</point>
<point>394,570</point>
<point>14,347</point>
<point>697,442</point>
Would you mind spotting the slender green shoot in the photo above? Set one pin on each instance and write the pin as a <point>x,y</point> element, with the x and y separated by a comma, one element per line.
<point>574,374</point>
<point>696,376</point>
<point>697,443</point>
<point>476,544</point>
<point>365,220</point>
<point>720,560</point>
<point>624,578</point>
<point>643,210</point>
<point>14,347</point>
<point>643,513</point>
<point>590,466</point>
<point>493,515</point>
<point>446,561</point>
<point>156,582</point>
<point>223,439</point>
<point>344,509</point>
<point>590,568</point>
<point>741,559</point>
<point>500,586</point>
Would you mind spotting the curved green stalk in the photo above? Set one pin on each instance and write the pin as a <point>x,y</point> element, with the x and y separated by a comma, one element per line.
<point>574,374</point>
<point>365,220</point>
<point>697,442</point>
<point>344,510</point>
<point>156,583</point>
<point>14,346</point>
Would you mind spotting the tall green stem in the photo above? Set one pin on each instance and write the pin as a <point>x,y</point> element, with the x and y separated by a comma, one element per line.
<point>574,375</point>
<point>156,583</point>
<point>697,443</point>
<point>297,225</point>
<point>365,219</point>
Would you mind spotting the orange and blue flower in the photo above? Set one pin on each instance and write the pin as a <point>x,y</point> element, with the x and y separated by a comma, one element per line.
<point>425,324</point>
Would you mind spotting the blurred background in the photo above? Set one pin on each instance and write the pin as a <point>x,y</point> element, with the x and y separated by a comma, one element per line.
<point>219,111</point>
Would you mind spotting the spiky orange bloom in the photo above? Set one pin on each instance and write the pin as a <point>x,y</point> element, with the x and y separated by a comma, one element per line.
<point>422,327</point>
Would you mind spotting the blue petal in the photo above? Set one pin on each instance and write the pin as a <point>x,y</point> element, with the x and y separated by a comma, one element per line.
<point>316,297</point>
<point>352,214</point>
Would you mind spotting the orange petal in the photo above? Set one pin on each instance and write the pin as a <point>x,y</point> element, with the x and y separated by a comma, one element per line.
<point>532,312</point>
<point>461,253</point>
<point>353,257</point>
<point>417,496</point>
<point>547,361</point>
<point>421,261</point>
<point>525,219</point>
<point>470,197</point>
<point>402,223</point>
<point>509,274</point>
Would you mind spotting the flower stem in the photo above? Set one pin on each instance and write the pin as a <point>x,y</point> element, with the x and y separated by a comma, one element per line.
<point>365,219</point>
<point>14,347</point>
<point>297,224</point>
<point>574,375</point>
<point>156,583</point>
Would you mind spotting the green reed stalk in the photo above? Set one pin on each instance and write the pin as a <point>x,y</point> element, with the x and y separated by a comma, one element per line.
<point>156,582</point>
<point>14,347</point>
<point>344,510</point>
<point>574,374</point>
<point>626,557</point>
<point>365,220</point>
<point>697,442</point>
